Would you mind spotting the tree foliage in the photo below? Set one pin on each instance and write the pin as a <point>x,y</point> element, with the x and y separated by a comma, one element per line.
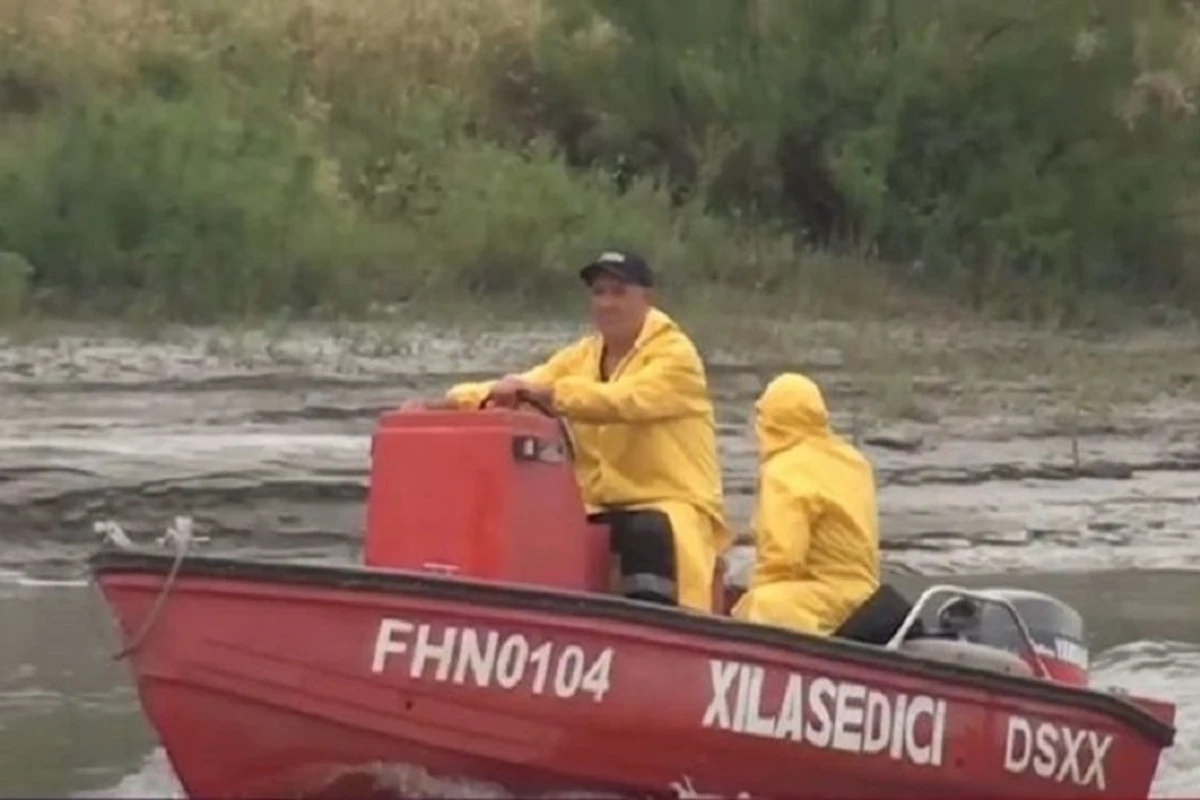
<point>238,158</point>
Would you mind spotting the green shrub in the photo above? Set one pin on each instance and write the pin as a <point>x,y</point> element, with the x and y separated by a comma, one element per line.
<point>969,136</point>
<point>196,161</point>
<point>15,274</point>
<point>185,201</point>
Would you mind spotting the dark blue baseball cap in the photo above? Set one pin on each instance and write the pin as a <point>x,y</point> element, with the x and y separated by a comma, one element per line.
<point>621,264</point>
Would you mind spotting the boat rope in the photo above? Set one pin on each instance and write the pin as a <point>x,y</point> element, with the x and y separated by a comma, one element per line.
<point>181,534</point>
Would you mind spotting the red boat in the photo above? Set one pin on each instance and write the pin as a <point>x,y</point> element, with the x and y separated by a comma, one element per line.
<point>479,651</point>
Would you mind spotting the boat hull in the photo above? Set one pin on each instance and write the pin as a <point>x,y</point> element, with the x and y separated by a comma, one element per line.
<point>284,680</point>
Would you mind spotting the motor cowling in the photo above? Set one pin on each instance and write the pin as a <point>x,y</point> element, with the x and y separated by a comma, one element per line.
<point>1056,629</point>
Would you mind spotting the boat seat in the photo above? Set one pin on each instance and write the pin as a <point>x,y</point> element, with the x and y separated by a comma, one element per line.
<point>967,654</point>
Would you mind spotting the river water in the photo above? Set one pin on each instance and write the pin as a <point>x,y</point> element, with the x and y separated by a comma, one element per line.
<point>262,438</point>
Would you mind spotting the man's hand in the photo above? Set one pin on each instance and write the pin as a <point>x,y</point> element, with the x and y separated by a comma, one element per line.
<point>504,391</point>
<point>541,394</point>
<point>511,390</point>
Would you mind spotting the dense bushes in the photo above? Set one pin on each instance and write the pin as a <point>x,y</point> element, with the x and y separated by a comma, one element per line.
<point>199,159</point>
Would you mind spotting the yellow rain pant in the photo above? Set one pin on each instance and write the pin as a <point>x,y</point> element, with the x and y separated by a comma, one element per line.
<point>695,538</point>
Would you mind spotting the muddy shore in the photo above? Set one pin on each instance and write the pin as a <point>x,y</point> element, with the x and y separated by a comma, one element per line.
<point>995,449</point>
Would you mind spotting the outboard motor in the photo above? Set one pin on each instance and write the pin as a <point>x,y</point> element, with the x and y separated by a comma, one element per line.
<point>1056,629</point>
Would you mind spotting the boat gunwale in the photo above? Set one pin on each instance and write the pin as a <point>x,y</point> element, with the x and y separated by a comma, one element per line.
<point>354,577</point>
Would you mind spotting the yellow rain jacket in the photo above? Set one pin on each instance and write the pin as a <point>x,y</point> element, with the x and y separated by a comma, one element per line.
<point>816,524</point>
<point>645,438</point>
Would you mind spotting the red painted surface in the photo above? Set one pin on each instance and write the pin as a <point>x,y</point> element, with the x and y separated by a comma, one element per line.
<point>261,683</point>
<point>261,689</point>
<point>1061,670</point>
<point>446,495</point>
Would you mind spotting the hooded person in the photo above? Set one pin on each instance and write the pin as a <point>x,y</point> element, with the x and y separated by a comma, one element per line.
<point>635,396</point>
<point>816,523</point>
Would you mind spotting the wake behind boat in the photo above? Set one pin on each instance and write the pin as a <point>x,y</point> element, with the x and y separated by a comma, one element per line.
<point>480,642</point>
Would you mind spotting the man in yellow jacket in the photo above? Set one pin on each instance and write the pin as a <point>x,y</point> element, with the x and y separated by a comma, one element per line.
<point>816,523</point>
<point>636,398</point>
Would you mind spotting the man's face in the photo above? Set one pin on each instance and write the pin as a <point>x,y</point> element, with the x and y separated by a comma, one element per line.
<point>618,309</point>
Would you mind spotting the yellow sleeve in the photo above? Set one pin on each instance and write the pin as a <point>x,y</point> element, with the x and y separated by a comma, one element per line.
<point>783,520</point>
<point>470,395</point>
<point>671,384</point>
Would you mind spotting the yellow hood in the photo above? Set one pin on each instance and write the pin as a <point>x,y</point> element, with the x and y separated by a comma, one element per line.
<point>789,410</point>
